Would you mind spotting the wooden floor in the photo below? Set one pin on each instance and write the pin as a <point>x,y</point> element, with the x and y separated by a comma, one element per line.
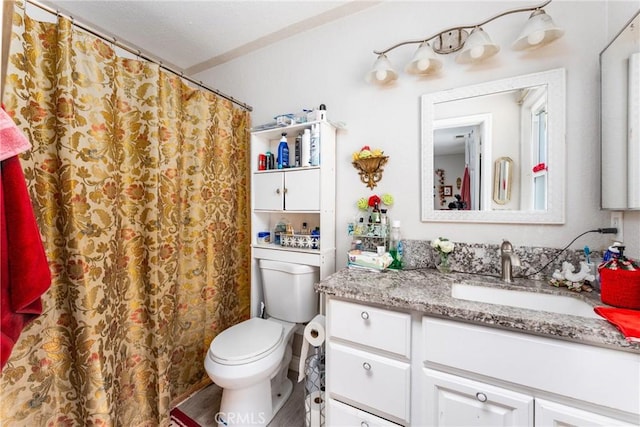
<point>203,406</point>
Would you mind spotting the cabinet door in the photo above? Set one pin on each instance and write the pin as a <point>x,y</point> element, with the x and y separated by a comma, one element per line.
<point>456,401</point>
<point>302,190</point>
<point>558,415</point>
<point>268,191</point>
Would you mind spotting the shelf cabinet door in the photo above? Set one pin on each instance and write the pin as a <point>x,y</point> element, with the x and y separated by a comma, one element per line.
<point>302,190</point>
<point>268,191</point>
<point>456,401</point>
<point>293,190</point>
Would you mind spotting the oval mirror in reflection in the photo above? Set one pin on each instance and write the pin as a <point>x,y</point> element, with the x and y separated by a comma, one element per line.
<point>503,180</point>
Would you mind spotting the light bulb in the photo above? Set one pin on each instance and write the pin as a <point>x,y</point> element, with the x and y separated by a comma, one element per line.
<point>381,75</point>
<point>535,37</point>
<point>422,64</point>
<point>477,52</point>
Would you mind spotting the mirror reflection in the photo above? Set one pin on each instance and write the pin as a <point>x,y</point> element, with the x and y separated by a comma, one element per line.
<point>620,119</point>
<point>466,130</point>
<point>502,183</point>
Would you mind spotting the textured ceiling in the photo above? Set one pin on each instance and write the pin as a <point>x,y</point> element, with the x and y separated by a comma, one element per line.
<point>193,36</point>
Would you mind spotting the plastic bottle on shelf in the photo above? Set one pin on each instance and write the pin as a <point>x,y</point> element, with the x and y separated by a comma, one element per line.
<point>305,152</point>
<point>315,145</point>
<point>269,156</point>
<point>297,152</point>
<point>283,152</point>
<point>395,246</point>
<point>375,213</point>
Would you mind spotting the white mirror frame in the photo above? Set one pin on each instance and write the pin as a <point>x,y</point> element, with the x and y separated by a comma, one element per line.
<point>555,213</point>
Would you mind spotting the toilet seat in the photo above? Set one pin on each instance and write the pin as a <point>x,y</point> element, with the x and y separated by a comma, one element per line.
<point>246,342</point>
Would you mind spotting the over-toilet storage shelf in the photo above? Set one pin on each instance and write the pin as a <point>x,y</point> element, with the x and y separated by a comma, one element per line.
<point>294,195</point>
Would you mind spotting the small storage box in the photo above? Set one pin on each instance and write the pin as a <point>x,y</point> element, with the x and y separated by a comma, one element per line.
<point>303,241</point>
<point>620,288</point>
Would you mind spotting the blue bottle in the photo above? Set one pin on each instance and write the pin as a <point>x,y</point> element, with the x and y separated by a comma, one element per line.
<point>283,152</point>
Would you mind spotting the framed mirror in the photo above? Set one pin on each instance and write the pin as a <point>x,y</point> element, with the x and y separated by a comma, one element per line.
<point>620,119</point>
<point>466,130</point>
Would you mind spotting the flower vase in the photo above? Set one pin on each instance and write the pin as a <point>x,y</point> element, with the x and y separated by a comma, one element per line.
<point>444,266</point>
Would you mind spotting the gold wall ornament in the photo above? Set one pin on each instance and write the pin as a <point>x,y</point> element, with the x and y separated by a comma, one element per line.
<point>370,169</point>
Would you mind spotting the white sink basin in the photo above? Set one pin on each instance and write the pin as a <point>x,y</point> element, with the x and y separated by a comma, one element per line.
<point>523,299</point>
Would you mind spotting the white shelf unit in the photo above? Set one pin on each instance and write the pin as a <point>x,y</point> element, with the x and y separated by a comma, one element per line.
<point>297,194</point>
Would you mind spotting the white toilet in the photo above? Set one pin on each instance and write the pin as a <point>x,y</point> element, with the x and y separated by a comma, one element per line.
<point>250,360</point>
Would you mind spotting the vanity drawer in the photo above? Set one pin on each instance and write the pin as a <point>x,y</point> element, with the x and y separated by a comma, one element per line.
<point>380,384</point>
<point>374,327</point>
<point>344,415</point>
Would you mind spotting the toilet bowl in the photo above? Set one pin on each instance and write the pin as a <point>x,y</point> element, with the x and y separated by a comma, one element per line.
<point>250,360</point>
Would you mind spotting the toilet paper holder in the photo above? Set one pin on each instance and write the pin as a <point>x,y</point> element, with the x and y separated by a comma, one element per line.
<point>314,399</point>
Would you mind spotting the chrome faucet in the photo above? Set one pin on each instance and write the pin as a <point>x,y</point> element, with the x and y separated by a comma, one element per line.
<point>508,259</point>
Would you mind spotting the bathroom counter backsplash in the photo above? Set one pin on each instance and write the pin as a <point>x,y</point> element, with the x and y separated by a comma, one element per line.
<point>427,291</point>
<point>479,258</point>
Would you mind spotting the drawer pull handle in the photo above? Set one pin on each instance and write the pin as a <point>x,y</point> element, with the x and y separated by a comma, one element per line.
<point>364,424</point>
<point>277,191</point>
<point>481,397</point>
<point>366,366</point>
<point>364,315</point>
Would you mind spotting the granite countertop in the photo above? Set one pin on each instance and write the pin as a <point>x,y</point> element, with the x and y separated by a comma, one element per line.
<point>428,292</point>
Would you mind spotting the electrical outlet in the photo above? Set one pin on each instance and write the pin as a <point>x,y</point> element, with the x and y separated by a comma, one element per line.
<point>616,221</point>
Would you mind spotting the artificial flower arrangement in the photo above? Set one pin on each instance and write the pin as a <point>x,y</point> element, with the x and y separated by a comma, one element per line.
<point>364,204</point>
<point>366,152</point>
<point>444,247</point>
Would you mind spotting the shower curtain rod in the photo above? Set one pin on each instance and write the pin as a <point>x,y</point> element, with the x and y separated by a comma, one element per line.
<point>139,54</point>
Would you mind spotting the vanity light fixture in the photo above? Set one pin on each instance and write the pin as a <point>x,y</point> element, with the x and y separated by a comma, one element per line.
<point>472,41</point>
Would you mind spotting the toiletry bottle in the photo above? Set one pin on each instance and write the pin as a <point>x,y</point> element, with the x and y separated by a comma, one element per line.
<point>305,152</point>
<point>375,213</point>
<point>383,223</point>
<point>315,145</point>
<point>315,243</point>
<point>270,163</point>
<point>283,152</point>
<point>297,153</point>
<point>395,244</point>
<point>304,229</point>
<point>323,112</point>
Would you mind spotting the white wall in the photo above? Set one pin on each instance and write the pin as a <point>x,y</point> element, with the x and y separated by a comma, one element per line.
<point>327,65</point>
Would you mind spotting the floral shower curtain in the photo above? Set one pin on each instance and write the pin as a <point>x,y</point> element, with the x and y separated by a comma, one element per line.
<point>140,187</point>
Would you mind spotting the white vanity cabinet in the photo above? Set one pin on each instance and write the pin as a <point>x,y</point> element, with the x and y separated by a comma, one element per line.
<point>368,360</point>
<point>392,367</point>
<point>296,195</point>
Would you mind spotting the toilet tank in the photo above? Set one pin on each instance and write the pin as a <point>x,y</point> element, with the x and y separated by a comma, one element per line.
<point>288,290</point>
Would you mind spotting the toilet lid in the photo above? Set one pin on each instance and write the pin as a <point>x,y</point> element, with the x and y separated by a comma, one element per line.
<point>246,341</point>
